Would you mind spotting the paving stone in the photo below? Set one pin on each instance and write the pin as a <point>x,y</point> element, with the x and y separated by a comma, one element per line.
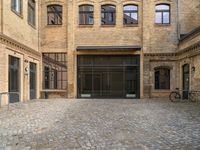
<point>100,125</point>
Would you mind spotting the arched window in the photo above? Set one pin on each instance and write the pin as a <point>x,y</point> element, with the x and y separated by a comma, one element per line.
<point>130,14</point>
<point>16,6</point>
<point>31,12</point>
<point>86,15</point>
<point>162,78</point>
<point>162,14</point>
<point>54,15</point>
<point>108,14</point>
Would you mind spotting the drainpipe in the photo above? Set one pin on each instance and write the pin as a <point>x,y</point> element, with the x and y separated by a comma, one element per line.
<point>178,21</point>
<point>1,16</point>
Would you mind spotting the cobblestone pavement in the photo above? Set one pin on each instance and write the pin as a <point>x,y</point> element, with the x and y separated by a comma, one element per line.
<point>101,125</point>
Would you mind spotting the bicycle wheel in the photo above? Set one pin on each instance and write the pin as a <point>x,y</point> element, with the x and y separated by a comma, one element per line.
<point>175,97</point>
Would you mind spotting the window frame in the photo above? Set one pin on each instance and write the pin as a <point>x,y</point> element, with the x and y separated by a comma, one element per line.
<point>85,14</point>
<point>130,12</point>
<point>162,14</point>
<point>114,14</point>
<point>54,71</point>
<point>20,13</point>
<point>157,85</point>
<point>33,7</point>
<point>53,12</point>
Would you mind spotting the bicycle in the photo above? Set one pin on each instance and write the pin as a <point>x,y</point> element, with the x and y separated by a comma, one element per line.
<point>176,96</point>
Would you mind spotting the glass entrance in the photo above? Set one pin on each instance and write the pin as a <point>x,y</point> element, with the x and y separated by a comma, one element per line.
<point>14,79</point>
<point>186,80</point>
<point>32,80</point>
<point>108,76</point>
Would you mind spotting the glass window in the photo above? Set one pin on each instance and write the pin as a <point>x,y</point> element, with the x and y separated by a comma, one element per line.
<point>31,12</point>
<point>54,15</point>
<point>162,14</point>
<point>17,6</point>
<point>86,15</point>
<point>130,14</point>
<point>108,15</point>
<point>55,71</point>
<point>162,78</point>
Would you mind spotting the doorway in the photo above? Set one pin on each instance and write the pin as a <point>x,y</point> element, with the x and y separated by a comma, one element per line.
<point>108,76</point>
<point>14,79</point>
<point>33,81</point>
<point>186,80</point>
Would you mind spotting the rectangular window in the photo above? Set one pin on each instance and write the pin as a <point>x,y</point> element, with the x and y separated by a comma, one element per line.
<point>130,14</point>
<point>55,71</point>
<point>31,12</point>
<point>108,15</point>
<point>54,15</point>
<point>86,15</point>
<point>16,6</point>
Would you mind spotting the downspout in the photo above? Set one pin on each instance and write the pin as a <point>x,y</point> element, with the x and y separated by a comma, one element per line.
<point>1,16</point>
<point>178,21</point>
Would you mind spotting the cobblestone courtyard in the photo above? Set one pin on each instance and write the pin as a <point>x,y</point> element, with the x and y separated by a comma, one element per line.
<point>100,124</point>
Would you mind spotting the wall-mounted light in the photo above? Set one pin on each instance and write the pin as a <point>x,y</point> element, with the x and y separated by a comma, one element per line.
<point>26,61</point>
<point>193,69</point>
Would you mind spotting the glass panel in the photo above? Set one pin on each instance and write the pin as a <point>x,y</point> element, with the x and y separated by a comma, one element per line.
<point>162,7</point>
<point>130,8</point>
<point>165,17</point>
<point>158,17</point>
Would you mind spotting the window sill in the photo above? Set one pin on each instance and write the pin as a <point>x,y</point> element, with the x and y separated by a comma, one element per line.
<point>108,25</point>
<point>162,25</point>
<point>131,25</point>
<point>53,25</point>
<point>85,26</point>
<point>33,26</point>
<point>161,90</point>
<point>17,13</point>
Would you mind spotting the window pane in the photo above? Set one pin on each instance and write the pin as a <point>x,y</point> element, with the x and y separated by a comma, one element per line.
<point>130,8</point>
<point>166,17</point>
<point>162,7</point>
<point>158,17</point>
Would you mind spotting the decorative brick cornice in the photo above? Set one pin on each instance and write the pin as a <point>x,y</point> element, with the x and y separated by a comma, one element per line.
<point>11,43</point>
<point>159,54</point>
<point>190,49</point>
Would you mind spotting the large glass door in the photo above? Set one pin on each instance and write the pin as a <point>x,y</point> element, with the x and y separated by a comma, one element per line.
<point>108,77</point>
<point>14,79</point>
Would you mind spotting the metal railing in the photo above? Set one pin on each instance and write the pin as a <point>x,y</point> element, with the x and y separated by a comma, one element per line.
<point>8,94</point>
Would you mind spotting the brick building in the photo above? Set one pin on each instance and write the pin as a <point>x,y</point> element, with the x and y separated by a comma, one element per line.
<point>98,48</point>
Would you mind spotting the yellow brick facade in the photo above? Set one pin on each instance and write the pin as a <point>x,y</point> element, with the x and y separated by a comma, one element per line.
<point>160,44</point>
